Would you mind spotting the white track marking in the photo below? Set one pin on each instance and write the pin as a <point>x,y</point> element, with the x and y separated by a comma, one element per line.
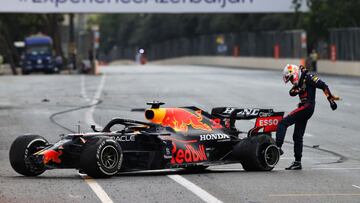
<point>83,89</point>
<point>207,197</point>
<point>358,187</point>
<point>335,168</point>
<point>98,190</point>
<point>89,115</point>
<point>89,118</point>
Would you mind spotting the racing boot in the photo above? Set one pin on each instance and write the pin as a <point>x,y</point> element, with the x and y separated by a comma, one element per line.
<point>296,165</point>
<point>81,171</point>
<point>280,151</point>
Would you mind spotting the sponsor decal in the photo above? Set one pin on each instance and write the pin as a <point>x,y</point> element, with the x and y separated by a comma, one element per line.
<point>242,112</point>
<point>269,123</point>
<point>52,155</point>
<point>218,136</point>
<point>228,110</point>
<point>248,112</point>
<point>188,154</point>
<point>125,138</point>
<point>265,114</point>
<point>180,120</point>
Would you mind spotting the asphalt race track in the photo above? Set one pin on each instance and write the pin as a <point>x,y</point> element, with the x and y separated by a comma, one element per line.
<point>331,172</point>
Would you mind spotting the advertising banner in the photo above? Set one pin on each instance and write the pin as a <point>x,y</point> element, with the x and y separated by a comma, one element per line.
<point>148,6</point>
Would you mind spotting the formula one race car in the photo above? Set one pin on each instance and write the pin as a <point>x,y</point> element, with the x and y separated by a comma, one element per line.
<point>185,137</point>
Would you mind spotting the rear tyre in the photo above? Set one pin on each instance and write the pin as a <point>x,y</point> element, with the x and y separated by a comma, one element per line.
<point>23,147</point>
<point>101,157</point>
<point>257,153</point>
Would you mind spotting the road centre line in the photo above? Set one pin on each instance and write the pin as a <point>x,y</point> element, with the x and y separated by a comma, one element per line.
<point>207,197</point>
<point>96,188</point>
<point>89,118</point>
<point>83,90</point>
<point>89,114</point>
<point>358,187</point>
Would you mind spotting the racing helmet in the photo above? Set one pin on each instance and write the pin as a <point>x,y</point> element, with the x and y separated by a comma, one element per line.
<point>291,73</point>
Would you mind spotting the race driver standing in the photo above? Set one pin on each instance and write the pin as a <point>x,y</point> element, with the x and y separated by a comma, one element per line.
<point>304,85</point>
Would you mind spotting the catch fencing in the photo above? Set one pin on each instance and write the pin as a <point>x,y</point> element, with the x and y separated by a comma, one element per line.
<point>277,44</point>
<point>345,44</point>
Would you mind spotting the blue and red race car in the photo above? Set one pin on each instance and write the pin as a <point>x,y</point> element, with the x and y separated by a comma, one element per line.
<point>183,137</point>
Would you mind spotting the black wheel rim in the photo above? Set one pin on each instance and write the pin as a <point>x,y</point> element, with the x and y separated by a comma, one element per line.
<point>31,149</point>
<point>271,154</point>
<point>109,157</point>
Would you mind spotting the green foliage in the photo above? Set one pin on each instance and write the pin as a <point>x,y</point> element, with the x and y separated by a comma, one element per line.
<point>328,14</point>
<point>125,30</point>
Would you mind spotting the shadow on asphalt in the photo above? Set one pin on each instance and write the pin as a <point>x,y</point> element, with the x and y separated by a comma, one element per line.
<point>187,172</point>
<point>141,174</point>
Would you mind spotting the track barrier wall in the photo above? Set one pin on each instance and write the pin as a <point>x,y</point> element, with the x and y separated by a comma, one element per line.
<point>339,55</point>
<point>346,68</point>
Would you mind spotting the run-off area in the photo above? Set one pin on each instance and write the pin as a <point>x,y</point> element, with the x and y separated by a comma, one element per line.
<point>323,179</point>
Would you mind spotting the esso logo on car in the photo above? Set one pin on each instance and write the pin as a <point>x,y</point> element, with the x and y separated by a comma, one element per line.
<point>268,122</point>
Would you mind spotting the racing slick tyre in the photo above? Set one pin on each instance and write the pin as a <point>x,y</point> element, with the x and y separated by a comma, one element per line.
<point>257,153</point>
<point>21,149</point>
<point>101,157</point>
<point>196,168</point>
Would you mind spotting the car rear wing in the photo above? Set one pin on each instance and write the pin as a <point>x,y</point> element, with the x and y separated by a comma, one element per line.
<point>266,119</point>
<point>240,114</point>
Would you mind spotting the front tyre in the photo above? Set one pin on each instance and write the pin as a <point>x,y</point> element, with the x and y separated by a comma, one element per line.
<point>21,149</point>
<point>101,157</point>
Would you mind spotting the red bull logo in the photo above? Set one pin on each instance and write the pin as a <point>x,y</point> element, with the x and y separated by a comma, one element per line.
<point>177,118</point>
<point>188,155</point>
<point>52,155</point>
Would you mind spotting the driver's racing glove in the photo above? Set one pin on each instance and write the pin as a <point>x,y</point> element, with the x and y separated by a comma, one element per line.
<point>294,91</point>
<point>331,98</point>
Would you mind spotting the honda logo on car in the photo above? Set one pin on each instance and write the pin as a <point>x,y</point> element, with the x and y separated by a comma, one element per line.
<point>214,137</point>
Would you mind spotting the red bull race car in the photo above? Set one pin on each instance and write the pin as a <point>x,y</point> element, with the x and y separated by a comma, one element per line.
<point>184,137</point>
